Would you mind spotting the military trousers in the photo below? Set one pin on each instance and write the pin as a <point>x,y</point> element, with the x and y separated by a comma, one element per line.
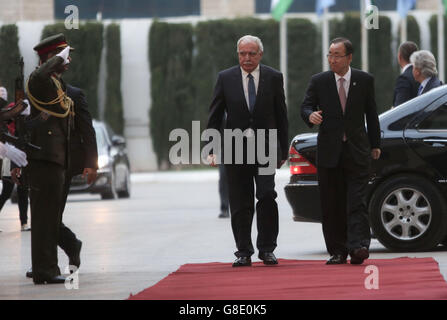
<point>46,181</point>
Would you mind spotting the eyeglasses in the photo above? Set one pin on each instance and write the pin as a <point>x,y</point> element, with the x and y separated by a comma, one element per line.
<point>336,58</point>
<point>250,53</point>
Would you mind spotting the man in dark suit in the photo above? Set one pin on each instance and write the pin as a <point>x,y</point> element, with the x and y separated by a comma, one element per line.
<point>424,71</point>
<point>406,87</point>
<point>338,101</point>
<point>252,95</point>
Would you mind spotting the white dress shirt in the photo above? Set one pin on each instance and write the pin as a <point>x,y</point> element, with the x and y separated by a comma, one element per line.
<point>347,82</point>
<point>255,74</point>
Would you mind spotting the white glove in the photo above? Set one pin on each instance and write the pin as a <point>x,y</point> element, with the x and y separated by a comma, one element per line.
<point>15,155</point>
<point>3,93</point>
<point>64,55</point>
<point>27,110</point>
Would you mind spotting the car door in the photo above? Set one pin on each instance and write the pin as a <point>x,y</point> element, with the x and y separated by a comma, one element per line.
<point>428,137</point>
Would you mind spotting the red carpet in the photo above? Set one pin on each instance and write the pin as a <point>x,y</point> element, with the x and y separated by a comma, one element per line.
<point>399,279</point>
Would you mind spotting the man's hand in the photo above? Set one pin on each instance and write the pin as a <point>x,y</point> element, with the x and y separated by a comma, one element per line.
<point>316,117</point>
<point>15,175</point>
<point>212,160</point>
<point>375,153</point>
<point>91,175</point>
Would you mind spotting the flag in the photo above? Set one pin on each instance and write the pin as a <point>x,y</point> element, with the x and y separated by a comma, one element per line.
<point>279,7</point>
<point>403,6</point>
<point>322,4</point>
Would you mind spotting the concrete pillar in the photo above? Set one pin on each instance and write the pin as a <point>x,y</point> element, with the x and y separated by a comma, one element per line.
<point>135,87</point>
<point>26,10</point>
<point>227,8</point>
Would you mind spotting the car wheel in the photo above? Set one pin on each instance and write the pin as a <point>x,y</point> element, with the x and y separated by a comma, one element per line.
<point>408,213</point>
<point>110,193</point>
<point>125,193</point>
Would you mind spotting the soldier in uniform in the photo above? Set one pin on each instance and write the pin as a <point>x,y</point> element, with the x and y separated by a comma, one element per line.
<point>48,167</point>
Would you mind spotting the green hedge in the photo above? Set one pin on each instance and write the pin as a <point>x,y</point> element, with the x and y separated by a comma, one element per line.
<point>379,52</point>
<point>303,60</point>
<point>381,63</point>
<point>434,37</point>
<point>170,56</point>
<point>84,68</point>
<point>9,58</point>
<point>113,114</point>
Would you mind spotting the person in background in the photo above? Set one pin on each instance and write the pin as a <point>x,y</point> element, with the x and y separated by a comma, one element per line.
<point>406,87</point>
<point>424,71</point>
<point>8,184</point>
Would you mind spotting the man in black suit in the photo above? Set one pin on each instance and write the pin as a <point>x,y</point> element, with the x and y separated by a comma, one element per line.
<point>252,95</point>
<point>406,87</point>
<point>338,101</point>
<point>424,71</point>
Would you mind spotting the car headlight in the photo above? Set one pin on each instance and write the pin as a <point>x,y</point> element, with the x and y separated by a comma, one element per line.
<point>103,161</point>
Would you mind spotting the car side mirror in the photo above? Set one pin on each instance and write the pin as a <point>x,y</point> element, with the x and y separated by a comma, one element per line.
<point>118,141</point>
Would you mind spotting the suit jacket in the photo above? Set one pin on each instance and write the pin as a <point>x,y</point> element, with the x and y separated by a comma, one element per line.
<point>270,111</point>
<point>322,95</point>
<point>434,82</point>
<point>406,87</point>
<point>53,134</point>
<point>83,149</point>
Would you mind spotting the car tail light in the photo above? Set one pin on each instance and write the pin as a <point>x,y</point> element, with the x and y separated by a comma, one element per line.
<point>299,164</point>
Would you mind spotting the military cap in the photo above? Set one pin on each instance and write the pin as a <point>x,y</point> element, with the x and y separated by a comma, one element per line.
<point>51,43</point>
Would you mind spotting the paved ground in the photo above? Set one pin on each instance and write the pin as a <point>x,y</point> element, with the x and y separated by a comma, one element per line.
<point>129,245</point>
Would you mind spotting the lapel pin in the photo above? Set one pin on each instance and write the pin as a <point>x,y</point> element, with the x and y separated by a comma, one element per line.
<point>354,83</point>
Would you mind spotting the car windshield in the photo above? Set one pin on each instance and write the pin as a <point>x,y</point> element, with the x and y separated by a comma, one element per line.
<point>100,140</point>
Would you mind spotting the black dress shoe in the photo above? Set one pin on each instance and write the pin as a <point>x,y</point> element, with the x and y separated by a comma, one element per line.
<point>75,258</point>
<point>268,258</point>
<point>337,259</point>
<point>55,279</point>
<point>29,273</point>
<point>359,255</point>
<point>242,262</point>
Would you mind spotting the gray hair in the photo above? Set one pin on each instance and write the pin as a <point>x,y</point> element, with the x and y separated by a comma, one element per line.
<point>425,61</point>
<point>253,39</point>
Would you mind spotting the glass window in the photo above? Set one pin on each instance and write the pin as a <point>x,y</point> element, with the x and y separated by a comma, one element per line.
<point>437,120</point>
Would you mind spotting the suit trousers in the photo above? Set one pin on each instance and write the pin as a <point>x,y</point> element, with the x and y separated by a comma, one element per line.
<point>242,180</point>
<point>46,180</point>
<point>343,204</point>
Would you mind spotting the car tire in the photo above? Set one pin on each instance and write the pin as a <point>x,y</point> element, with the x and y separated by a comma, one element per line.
<point>110,193</point>
<point>125,193</point>
<point>408,213</point>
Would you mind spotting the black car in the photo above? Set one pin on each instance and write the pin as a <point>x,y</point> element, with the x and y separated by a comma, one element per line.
<point>113,178</point>
<point>407,190</point>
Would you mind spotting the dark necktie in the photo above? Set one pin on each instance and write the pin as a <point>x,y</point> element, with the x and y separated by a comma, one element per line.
<point>251,92</point>
<point>421,88</point>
